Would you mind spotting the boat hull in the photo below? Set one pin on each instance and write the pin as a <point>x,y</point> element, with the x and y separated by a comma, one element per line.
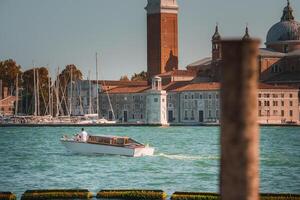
<point>88,148</point>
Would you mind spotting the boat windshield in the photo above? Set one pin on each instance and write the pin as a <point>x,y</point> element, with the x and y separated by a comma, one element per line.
<point>109,140</point>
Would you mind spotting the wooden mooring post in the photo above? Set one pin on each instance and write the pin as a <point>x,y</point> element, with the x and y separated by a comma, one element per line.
<point>239,178</point>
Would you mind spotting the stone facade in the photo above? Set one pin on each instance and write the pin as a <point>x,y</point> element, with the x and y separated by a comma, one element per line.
<point>126,108</point>
<point>194,103</point>
<point>193,107</point>
<point>7,105</point>
<point>135,104</point>
<point>7,101</point>
<point>278,106</point>
<point>83,90</point>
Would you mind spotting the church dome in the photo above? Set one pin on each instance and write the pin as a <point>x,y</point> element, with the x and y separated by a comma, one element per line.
<point>285,30</point>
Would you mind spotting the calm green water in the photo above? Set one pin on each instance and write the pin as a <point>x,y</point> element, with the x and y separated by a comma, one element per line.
<point>186,159</point>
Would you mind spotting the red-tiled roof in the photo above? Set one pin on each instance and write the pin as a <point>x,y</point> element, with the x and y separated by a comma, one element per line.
<point>178,73</point>
<point>129,89</point>
<point>216,86</point>
<point>174,85</point>
<point>180,86</point>
<point>269,86</point>
<point>121,83</point>
<point>198,86</point>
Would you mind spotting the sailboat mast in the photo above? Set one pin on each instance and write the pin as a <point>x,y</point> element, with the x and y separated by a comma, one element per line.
<point>71,92</point>
<point>17,94</point>
<point>90,94</point>
<point>110,105</point>
<point>38,92</point>
<point>34,90</point>
<point>52,102</point>
<point>49,94</point>
<point>97,85</point>
<point>57,93</point>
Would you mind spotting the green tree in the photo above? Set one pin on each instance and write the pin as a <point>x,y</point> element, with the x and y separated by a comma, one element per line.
<point>42,78</point>
<point>124,78</point>
<point>9,70</point>
<point>64,79</point>
<point>139,77</point>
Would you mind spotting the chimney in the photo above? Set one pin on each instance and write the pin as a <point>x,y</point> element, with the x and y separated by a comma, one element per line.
<point>239,178</point>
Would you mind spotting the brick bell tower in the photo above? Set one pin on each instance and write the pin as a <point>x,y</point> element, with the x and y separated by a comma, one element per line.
<point>162,36</point>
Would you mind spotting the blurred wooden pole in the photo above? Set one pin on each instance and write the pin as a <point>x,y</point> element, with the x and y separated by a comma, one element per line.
<point>239,178</point>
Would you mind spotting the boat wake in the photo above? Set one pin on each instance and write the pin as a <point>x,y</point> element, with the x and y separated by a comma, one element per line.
<point>187,157</point>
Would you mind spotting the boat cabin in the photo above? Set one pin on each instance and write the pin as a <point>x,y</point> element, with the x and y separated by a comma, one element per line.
<point>109,140</point>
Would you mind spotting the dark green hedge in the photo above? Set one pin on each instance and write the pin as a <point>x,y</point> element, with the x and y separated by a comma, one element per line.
<point>7,196</point>
<point>132,194</point>
<point>267,196</point>
<point>56,194</point>
<point>194,196</point>
<point>215,196</point>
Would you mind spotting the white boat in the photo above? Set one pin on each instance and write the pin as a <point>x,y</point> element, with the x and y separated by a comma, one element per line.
<point>107,145</point>
<point>105,121</point>
<point>86,122</point>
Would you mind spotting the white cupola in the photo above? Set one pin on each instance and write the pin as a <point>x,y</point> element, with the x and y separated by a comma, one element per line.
<point>156,83</point>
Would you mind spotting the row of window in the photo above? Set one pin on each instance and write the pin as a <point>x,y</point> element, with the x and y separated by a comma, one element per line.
<point>275,103</point>
<point>194,104</point>
<point>192,114</point>
<point>267,95</point>
<point>134,97</point>
<point>275,113</point>
<point>133,116</point>
<point>127,106</point>
<point>201,96</point>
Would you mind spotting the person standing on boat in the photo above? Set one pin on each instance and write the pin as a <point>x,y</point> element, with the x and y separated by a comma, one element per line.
<point>83,135</point>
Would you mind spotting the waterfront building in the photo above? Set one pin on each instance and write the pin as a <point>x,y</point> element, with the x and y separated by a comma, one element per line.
<point>195,103</point>
<point>200,103</point>
<point>278,104</point>
<point>135,104</point>
<point>124,103</point>
<point>7,102</point>
<point>84,93</point>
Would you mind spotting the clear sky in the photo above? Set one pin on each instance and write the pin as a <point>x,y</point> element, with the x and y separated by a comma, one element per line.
<point>61,32</point>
